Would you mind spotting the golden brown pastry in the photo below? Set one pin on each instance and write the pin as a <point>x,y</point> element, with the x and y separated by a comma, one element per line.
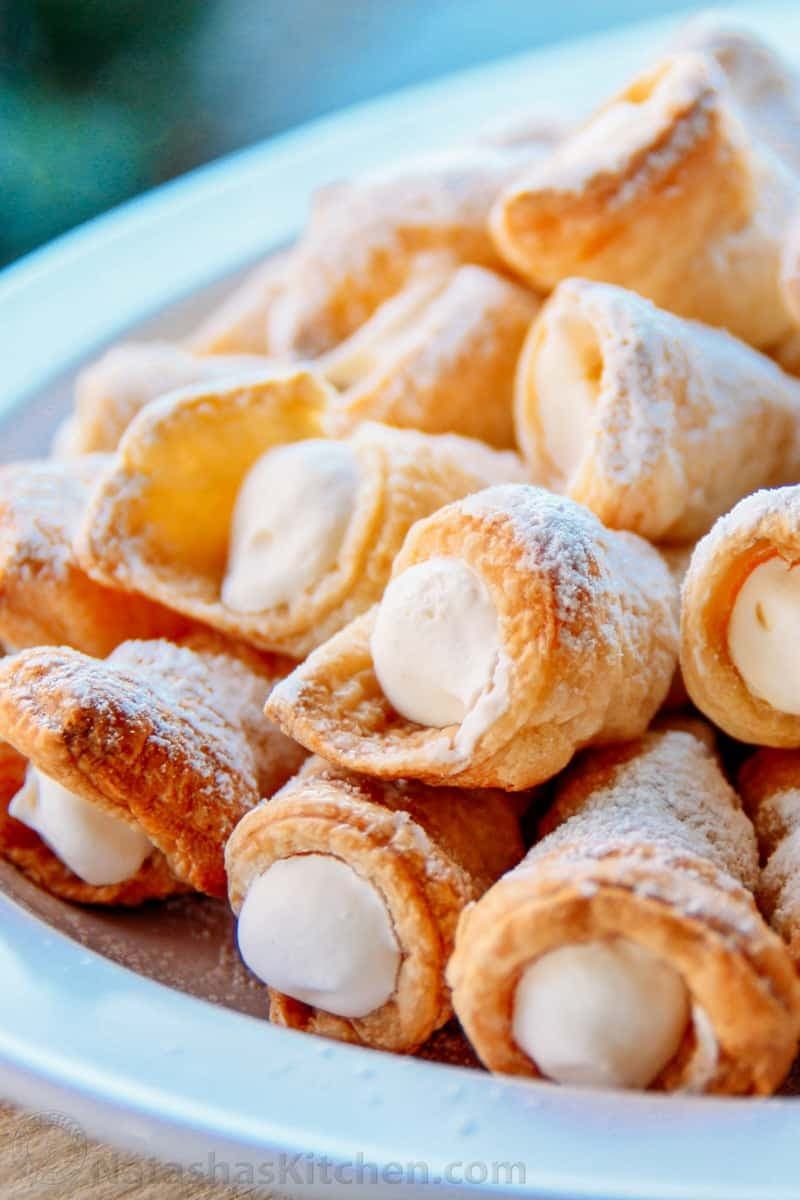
<point>365,238</point>
<point>516,629</point>
<point>348,891</point>
<point>655,423</point>
<point>140,765</point>
<point>790,279</point>
<point>665,192</point>
<point>770,785</point>
<point>238,325</point>
<point>279,544</point>
<point>626,950</point>
<point>439,357</point>
<point>110,392</point>
<point>739,620</point>
<point>45,596</point>
<point>764,85</point>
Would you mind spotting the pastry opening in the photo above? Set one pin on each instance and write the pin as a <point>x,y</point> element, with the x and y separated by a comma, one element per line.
<point>380,337</point>
<point>568,371</point>
<point>314,929</point>
<point>764,634</point>
<point>605,1013</point>
<point>289,524</point>
<point>99,847</point>
<point>436,646</point>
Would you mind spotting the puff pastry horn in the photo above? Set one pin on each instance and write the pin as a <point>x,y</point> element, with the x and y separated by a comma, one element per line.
<point>626,949</point>
<point>739,620</point>
<point>668,163</point>
<point>516,629</point>
<point>439,357</point>
<point>141,765</point>
<point>766,88</point>
<point>280,548</point>
<point>110,392</point>
<point>770,785</point>
<point>348,891</point>
<point>365,238</point>
<point>656,423</point>
<point>238,325</point>
<point>45,595</point>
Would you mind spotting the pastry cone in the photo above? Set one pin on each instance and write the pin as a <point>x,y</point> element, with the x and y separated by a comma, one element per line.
<point>45,596</point>
<point>141,764</point>
<point>770,785</point>
<point>393,864</point>
<point>655,423</point>
<point>239,324</point>
<point>281,549</point>
<point>365,239</point>
<point>515,630</point>
<point>765,87</point>
<point>663,192</point>
<point>439,357</point>
<point>113,390</point>
<point>739,623</point>
<point>626,949</point>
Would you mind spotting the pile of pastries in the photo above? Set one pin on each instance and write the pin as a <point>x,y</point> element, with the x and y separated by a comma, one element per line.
<point>481,500</point>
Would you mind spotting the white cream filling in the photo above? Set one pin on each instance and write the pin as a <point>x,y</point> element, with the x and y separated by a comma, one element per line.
<point>312,928</point>
<point>436,643</point>
<point>601,1014</point>
<point>764,634</point>
<point>99,847</point>
<point>289,524</point>
<point>566,380</point>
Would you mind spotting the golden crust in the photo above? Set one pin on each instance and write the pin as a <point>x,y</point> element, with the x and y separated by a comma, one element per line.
<point>427,853</point>
<point>666,163</point>
<point>170,736</point>
<point>770,785</point>
<point>588,625</point>
<point>165,532</point>
<point>45,595</point>
<point>115,388</point>
<point>438,357</point>
<point>645,842</point>
<point>365,239</point>
<point>758,528</point>
<point>685,421</point>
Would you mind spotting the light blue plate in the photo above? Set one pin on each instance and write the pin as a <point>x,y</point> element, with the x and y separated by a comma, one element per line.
<point>162,1073</point>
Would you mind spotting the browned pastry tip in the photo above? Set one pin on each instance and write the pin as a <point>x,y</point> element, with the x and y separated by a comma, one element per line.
<point>168,736</point>
<point>45,595</point>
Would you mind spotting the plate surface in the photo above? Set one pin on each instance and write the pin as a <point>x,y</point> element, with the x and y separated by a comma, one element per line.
<point>166,1071</point>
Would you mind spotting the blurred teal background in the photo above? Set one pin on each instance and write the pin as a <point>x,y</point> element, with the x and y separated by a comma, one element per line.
<point>100,99</point>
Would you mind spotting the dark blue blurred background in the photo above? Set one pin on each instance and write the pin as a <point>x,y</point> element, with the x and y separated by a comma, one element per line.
<point>100,99</point>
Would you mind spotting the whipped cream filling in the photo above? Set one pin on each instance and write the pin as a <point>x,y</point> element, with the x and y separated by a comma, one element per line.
<point>97,846</point>
<point>315,930</point>
<point>436,644</point>
<point>601,1014</point>
<point>566,380</point>
<point>764,634</point>
<point>290,520</point>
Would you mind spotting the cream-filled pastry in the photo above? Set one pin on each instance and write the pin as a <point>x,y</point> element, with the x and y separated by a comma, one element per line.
<point>656,423</point>
<point>98,846</point>
<point>740,620</point>
<point>266,531</point>
<point>366,238</point>
<point>348,890</point>
<point>46,597</point>
<point>238,324</point>
<point>140,765</point>
<point>439,357</point>
<point>110,392</point>
<point>515,630</point>
<point>670,162</point>
<point>600,1014</point>
<point>770,785</point>
<point>626,949</point>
